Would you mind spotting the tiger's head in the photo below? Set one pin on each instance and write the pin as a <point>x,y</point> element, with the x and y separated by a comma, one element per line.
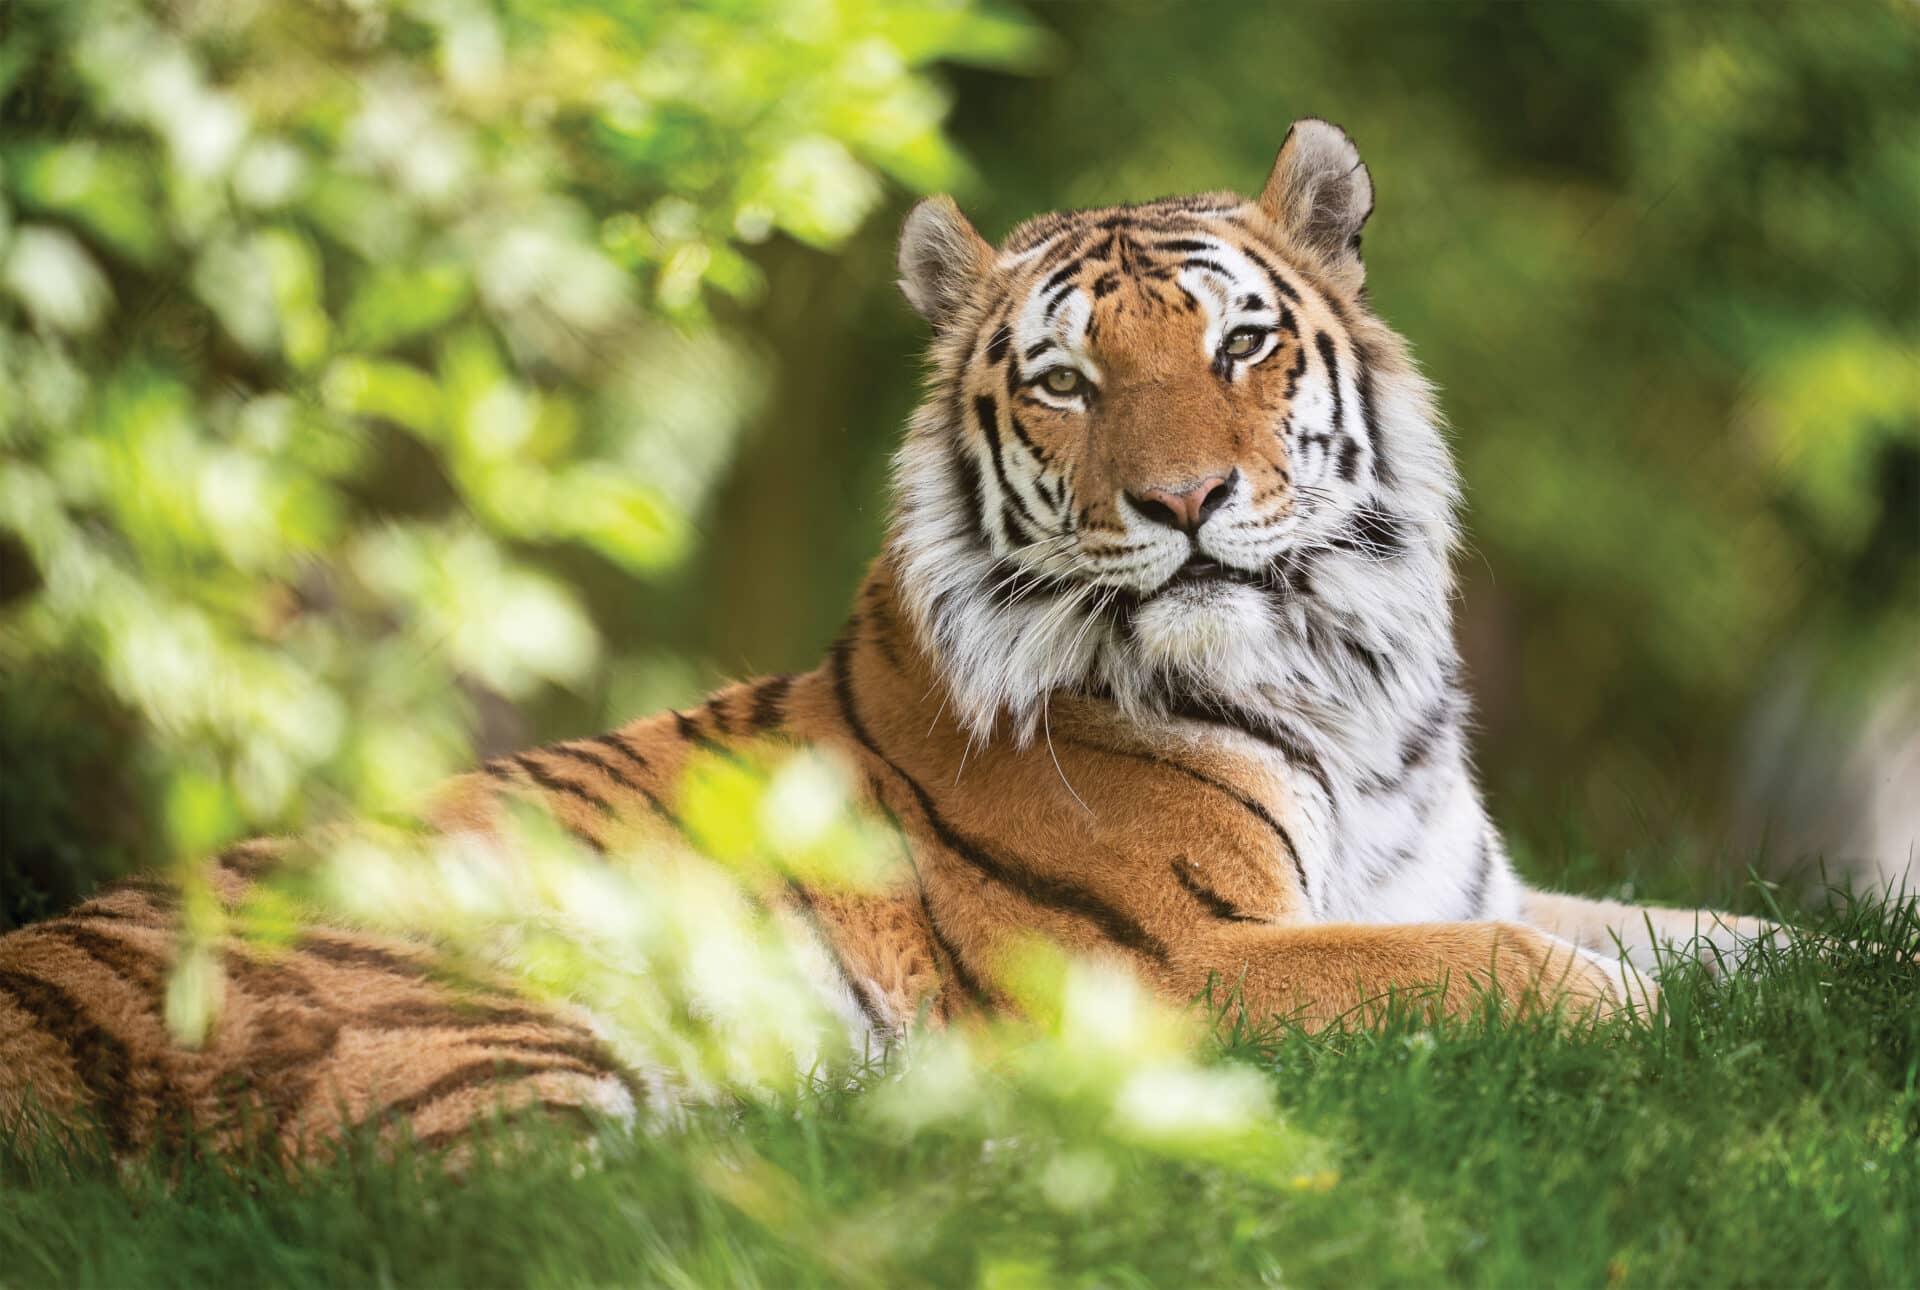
<point>1168,454</point>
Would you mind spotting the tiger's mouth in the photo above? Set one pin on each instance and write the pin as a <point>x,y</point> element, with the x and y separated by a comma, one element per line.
<point>1204,571</point>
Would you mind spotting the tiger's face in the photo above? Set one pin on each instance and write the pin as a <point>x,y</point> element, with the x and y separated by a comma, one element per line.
<point>1162,403</point>
<point>1146,422</point>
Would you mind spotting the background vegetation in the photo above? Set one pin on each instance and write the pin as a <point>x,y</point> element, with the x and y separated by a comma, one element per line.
<point>387,382</point>
<point>380,377</point>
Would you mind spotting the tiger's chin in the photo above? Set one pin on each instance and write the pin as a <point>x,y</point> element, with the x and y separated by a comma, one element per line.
<point>1206,637</point>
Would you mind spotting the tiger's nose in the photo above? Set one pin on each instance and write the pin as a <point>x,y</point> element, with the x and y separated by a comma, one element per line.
<point>1185,509</point>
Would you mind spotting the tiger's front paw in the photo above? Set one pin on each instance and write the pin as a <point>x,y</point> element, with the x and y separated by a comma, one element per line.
<point>1588,984</point>
<point>1724,943</point>
<point>1632,989</point>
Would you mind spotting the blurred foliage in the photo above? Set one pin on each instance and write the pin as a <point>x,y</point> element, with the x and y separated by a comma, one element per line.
<point>701,985</point>
<point>367,366</point>
<point>711,992</point>
<point>678,953</point>
<point>325,324</point>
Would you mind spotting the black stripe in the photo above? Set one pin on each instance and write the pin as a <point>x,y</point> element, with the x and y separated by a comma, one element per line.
<point>1007,583</point>
<point>868,1008</point>
<point>624,746</point>
<point>1324,343</point>
<point>880,618</point>
<point>553,783</point>
<point>474,1075</point>
<point>1041,889</point>
<point>247,859</point>
<point>1020,533</point>
<point>615,740</point>
<point>124,959</point>
<point>1272,271</point>
<point>571,1112</point>
<point>501,768</point>
<point>1214,266</point>
<point>686,727</point>
<point>1067,243</point>
<point>101,1061</point>
<point>1375,532</point>
<point>599,763</point>
<point>987,413</point>
<point>961,973</point>
<point>621,744</point>
<point>1026,440</point>
<point>589,1049</point>
<point>1298,369</point>
<point>769,701</point>
<point>1060,276</point>
<point>281,1079</point>
<point>997,346</point>
<point>972,485</point>
<point>345,953</point>
<point>1211,901</point>
<point>460,1014</point>
<point>1267,730</point>
<point>1369,420</point>
<point>275,977</point>
<point>1376,664</point>
<point>1188,245</point>
<point>1482,877</point>
<point>589,1052</point>
<point>1145,216</point>
<point>1251,805</point>
<point>1349,463</point>
<point>1419,745</point>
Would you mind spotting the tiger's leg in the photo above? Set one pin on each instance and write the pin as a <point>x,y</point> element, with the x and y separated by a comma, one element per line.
<point>1320,972</point>
<point>1643,933</point>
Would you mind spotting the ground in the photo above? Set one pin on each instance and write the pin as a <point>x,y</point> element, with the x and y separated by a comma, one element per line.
<point>1762,1130</point>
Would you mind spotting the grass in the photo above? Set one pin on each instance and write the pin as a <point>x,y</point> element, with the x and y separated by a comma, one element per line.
<point>1761,1130</point>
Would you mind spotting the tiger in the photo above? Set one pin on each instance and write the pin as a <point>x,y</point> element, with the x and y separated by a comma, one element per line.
<point>1156,663</point>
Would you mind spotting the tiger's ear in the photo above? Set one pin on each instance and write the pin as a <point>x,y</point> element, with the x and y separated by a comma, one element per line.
<point>941,258</point>
<point>1320,192</point>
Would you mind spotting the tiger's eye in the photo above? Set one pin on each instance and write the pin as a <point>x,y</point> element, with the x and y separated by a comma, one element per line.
<point>1064,380</point>
<point>1243,342</point>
